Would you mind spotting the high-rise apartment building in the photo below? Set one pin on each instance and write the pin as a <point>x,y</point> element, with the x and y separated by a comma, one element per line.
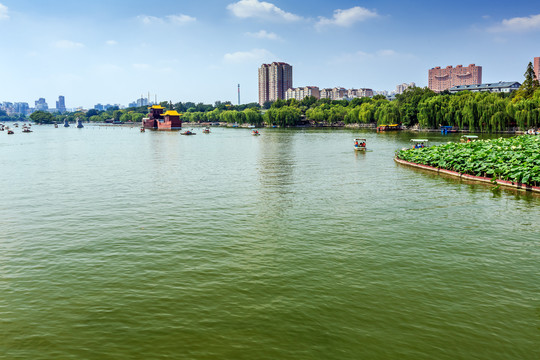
<point>61,104</point>
<point>274,80</point>
<point>443,79</point>
<point>402,87</point>
<point>536,66</point>
<point>41,104</point>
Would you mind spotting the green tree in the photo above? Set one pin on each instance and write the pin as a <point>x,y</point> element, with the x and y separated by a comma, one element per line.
<point>42,117</point>
<point>117,114</point>
<point>529,86</point>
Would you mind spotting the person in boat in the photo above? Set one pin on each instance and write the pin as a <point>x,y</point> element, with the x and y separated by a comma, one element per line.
<point>356,143</point>
<point>363,144</point>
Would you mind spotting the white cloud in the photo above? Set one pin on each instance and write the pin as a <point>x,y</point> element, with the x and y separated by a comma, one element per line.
<point>179,19</point>
<point>108,68</point>
<point>519,24</point>
<point>255,55</point>
<point>111,42</point>
<point>378,55</point>
<point>263,34</point>
<point>147,19</point>
<point>68,44</point>
<point>386,52</point>
<point>3,12</point>
<point>260,9</point>
<point>347,17</point>
<point>141,66</point>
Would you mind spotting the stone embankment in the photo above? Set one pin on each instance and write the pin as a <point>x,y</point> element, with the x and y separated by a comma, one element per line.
<point>487,180</point>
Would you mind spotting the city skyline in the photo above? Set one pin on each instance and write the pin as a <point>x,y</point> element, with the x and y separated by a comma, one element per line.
<point>111,52</point>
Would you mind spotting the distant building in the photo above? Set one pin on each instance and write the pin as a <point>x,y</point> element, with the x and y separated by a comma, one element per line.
<point>503,87</point>
<point>336,93</point>
<point>402,87</point>
<point>443,79</point>
<point>41,104</point>
<point>358,93</point>
<point>61,104</point>
<point>381,92</point>
<point>21,108</point>
<point>536,66</point>
<point>142,102</point>
<point>302,92</point>
<point>99,107</point>
<point>274,81</point>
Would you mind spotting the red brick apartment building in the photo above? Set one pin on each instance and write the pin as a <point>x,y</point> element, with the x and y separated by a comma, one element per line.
<point>443,79</point>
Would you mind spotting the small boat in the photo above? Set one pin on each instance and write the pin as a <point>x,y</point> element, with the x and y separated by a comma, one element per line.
<point>468,138</point>
<point>10,132</point>
<point>26,129</point>
<point>66,123</point>
<point>206,130</point>
<point>255,133</point>
<point>188,132</point>
<point>419,143</point>
<point>360,144</point>
<point>55,125</point>
<point>142,129</point>
<point>448,129</point>
<point>391,127</point>
<point>79,124</point>
<point>16,124</point>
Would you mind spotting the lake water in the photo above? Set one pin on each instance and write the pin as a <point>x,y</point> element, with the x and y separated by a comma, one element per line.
<point>116,244</point>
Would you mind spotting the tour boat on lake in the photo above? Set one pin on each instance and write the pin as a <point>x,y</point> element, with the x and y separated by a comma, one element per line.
<point>159,120</point>
<point>391,127</point>
<point>360,144</point>
<point>419,143</point>
<point>187,132</point>
<point>255,133</point>
<point>206,130</point>
<point>468,138</point>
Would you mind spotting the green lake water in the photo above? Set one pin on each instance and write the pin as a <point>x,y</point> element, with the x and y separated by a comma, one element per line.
<point>116,244</point>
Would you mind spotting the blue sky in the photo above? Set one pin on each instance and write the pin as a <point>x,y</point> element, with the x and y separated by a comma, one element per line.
<point>113,51</point>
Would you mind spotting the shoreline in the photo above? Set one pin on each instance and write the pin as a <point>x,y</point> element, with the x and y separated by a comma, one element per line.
<point>485,180</point>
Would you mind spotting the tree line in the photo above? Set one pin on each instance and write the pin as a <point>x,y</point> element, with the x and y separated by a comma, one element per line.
<point>416,107</point>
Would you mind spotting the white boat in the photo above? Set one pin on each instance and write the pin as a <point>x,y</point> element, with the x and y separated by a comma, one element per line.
<point>468,138</point>
<point>360,144</point>
<point>419,143</point>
